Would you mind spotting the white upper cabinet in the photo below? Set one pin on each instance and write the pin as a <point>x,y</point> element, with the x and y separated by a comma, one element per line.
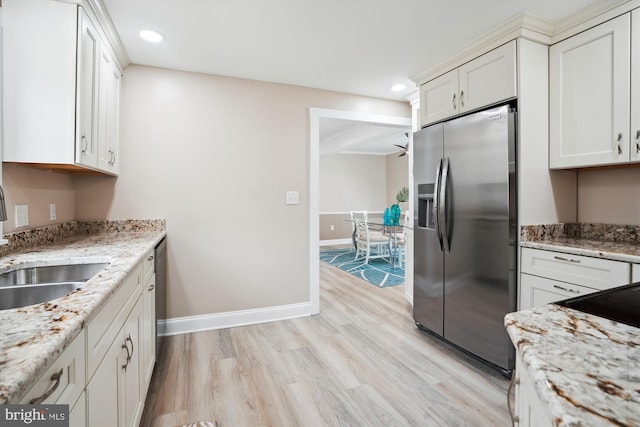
<point>635,87</point>
<point>483,81</point>
<point>589,95</point>
<point>60,101</point>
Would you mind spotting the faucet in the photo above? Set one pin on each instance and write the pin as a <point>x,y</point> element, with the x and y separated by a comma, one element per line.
<point>3,207</point>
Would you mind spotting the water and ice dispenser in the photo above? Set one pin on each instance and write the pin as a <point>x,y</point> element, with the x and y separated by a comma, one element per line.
<point>426,207</point>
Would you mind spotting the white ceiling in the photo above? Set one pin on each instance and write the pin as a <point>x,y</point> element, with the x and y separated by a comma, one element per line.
<point>352,46</point>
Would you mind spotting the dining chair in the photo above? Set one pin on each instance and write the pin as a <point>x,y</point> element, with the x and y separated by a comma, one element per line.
<point>370,243</point>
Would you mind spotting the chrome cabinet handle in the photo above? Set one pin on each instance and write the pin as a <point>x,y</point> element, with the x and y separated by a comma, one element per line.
<point>562,288</point>
<point>150,258</point>
<point>151,287</point>
<point>55,377</point>
<point>462,98</point>
<point>560,258</point>
<point>454,101</point>
<point>638,141</point>
<point>126,363</point>
<point>129,356</point>
<point>619,141</point>
<point>83,144</point>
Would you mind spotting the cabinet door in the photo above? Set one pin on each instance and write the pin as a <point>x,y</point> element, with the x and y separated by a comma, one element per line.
<point>536,291</point>
<point>113,118</point>
<point>86,102</point>
<point>488,79</point>
<point>78,413</point>
<point>635,87</point>
<point>635,273</point>
<point>149,332</point>
<point>132,389</point>
<point>589,86</point>
<point>103,390</point>
<point>439,98</point>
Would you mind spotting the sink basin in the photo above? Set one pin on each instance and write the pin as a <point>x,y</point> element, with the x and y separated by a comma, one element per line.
<point>33,285</point>
<point>51,274</point>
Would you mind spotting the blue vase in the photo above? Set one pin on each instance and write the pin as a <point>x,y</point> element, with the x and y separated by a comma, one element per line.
<point>387,218</point>
<point>396,212</point>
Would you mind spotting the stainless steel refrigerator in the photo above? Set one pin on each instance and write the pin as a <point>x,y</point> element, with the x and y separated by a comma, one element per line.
<point>466,232</point>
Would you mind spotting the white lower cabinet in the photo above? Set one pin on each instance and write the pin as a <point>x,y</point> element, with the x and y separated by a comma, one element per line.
<point>635,273</point>
<point>115,395</point>
<point>529,409</point>
<point>148,331</point>
<point>549,276</point>
<point>78,413</point>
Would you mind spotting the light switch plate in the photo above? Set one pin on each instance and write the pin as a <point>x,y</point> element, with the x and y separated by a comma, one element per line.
<point>22,215</point>
<point>293,198</point>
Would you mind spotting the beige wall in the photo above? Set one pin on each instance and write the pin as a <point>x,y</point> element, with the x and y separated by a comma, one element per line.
<point>397,177</point>
<point>37,188</point>
<point>352,182</point>
<point>610,196</point>
<point>215,156</point>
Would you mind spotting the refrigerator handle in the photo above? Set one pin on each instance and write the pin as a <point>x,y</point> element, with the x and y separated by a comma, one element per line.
<point>436,203</point>
<point>442,207</point>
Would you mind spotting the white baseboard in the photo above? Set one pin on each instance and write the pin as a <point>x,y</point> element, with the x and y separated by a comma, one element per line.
<point>335,242</point>
<point>230,319</point>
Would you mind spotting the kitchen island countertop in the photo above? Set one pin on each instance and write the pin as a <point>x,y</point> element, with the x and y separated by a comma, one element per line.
<point>585,369</point>
<point>34,336</point>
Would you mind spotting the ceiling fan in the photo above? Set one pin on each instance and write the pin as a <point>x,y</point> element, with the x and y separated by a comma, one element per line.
<point>405,148</point>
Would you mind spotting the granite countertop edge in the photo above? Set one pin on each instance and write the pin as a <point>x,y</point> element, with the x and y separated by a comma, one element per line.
<point>32,337</point>
<point>582,365</point>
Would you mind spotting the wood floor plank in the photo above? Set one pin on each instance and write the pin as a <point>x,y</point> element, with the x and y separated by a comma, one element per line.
<point>360,362</point>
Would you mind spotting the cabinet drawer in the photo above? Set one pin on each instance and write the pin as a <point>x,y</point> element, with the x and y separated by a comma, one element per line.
<point>64,381</point>
<point>537,291</point>
<point>584,271</point>
<point>103,328</point>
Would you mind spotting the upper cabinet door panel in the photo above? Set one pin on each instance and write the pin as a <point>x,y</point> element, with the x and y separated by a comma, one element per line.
<point>635,87</point>
<point>488,79</point>
<point>88,42</point>
<point>439,98</point>
<point>590,95</point>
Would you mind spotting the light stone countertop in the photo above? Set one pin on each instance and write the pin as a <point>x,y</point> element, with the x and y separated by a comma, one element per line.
<point>585,369</point>
<point>32,337</point>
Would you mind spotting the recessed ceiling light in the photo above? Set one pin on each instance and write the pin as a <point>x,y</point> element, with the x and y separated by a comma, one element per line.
<point>151,36</point>
<point>398,87</point>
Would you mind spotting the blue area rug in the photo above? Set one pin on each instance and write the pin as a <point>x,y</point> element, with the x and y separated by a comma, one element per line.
<point>378,272</point>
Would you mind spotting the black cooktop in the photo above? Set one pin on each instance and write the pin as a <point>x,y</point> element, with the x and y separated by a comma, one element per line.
<point>621,304</point>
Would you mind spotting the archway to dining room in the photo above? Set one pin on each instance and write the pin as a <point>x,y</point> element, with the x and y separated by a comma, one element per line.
<point>346,140</point>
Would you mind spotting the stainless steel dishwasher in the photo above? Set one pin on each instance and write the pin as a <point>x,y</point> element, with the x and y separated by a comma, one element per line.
<point>161,294</point>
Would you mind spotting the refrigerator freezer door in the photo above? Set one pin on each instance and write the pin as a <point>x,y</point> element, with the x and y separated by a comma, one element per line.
<point>428,300</point>
<point>476,292</point>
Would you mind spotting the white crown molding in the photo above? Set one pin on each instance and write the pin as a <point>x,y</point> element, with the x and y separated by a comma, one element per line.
<point>592,15</point>
<point>96,9</point>
<point>525,26</point>
<point>207,322</point>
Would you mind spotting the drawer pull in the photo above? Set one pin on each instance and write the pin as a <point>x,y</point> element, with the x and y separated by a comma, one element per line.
<point>559,258</point>
<point>55,377</point>
<point>562,288</point>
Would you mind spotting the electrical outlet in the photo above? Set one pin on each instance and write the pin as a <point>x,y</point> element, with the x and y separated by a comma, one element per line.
<point>52,211</point>
<point>22,216</point>
<point>333,227</point>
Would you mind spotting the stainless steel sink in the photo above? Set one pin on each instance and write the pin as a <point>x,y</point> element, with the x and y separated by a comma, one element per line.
<point>33,285</point>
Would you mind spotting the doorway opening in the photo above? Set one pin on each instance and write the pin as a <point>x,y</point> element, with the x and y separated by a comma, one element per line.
<point>320,119</point>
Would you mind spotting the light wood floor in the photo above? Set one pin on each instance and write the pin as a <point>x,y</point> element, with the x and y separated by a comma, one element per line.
<point>360,362</point>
